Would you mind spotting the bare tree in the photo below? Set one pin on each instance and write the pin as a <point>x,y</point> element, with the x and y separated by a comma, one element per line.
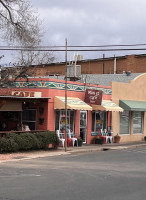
<point>27,58</point>
<point>19,22</point>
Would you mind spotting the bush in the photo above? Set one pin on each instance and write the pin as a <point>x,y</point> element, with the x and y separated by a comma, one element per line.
<point>8,145</point>
<point>28,141</point>
<point>46,138</point>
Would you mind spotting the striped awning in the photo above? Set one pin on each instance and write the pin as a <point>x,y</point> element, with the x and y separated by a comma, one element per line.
<point>73,103</point>
<point>107,105</point>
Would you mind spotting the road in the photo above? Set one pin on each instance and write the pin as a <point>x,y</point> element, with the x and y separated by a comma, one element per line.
<point>104,175</point>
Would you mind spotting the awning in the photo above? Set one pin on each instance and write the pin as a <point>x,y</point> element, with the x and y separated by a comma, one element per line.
<point>9,105</point>
<point>133,105</point>
<point>73,103</point>
<point>107,105</point>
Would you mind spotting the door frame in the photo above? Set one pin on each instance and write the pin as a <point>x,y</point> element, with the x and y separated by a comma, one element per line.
<point>84,127</point>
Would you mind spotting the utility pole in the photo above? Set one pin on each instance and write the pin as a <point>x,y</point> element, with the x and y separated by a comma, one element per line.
<point>65,94</point>
<point>103,64</point>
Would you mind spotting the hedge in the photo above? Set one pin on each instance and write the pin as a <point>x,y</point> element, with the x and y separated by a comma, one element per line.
<point>13,142</point>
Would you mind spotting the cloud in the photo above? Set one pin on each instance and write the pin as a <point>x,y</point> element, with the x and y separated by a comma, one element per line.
<point>93,22</point>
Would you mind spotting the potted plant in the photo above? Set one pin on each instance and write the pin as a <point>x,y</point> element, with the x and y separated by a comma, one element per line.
<point>80,141</point>
<point>117,138</point>
<point>98,140</point>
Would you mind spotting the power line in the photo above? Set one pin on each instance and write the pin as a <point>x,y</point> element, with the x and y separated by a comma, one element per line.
<point>72,46</point>
<point>63,50</point>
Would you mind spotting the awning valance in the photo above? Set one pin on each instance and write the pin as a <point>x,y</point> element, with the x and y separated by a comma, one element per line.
<point>8,105</point>
<point>133,105</point>
<point>73,103</point>
<point>107,105</point>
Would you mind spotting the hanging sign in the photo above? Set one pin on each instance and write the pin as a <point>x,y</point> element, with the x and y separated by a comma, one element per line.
<point>93,96</point>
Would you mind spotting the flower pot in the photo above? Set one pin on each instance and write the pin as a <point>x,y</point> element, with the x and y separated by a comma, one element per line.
<point>117,139</point>
<point>99,141</point>
<point>80,143</point>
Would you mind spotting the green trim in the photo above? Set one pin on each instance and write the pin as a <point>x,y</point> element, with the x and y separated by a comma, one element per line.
<point>56,85</point>
<point>130,105</point>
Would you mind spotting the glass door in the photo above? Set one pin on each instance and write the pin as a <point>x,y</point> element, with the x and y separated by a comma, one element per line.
<point>83,125</point>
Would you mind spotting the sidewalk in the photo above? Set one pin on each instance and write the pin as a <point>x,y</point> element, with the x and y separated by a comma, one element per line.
<point>70,150</point>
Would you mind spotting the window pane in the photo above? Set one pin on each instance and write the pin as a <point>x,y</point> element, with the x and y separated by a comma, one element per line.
<point>124,122</point>
<point>72,120</point>
<point>29,118</point>
<point>29,115</point>
<point>93,121</point>
<point>57,120</point>
<point>98,121</point>
<point>137,122</point>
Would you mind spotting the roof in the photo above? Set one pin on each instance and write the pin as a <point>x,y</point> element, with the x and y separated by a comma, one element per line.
<point>106,79</point>
<point>101,79</point>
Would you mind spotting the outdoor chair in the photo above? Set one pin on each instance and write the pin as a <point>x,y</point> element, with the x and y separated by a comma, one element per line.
<point>71,136</point>
<point>60,137</point>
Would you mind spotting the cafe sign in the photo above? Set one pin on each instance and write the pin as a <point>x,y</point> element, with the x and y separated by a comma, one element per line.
<point>26,94</point>
<point>93,96</point>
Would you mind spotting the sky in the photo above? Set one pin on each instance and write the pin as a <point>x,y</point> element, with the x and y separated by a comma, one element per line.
<point>92,22</point>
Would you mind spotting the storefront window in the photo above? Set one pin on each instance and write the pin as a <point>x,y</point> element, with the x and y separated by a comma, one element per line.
<point>124,122</point>
<point>29,118</point>
<point>98,120</point>
<point>137,122</point>
<point>60,120</point>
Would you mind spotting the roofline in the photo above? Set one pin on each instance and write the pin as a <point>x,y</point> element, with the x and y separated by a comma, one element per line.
<point>24,98</point>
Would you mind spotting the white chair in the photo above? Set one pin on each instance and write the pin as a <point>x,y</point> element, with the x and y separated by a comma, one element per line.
<point>60,138</point>
<point>107,137</point>
<point>72,138</point>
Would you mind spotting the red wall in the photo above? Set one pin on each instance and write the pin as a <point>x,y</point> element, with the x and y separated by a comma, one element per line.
<point>49,112</point>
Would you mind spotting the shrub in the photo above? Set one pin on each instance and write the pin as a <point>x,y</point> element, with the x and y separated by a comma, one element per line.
<point>8,145</point>
<point>42,140</point>
<point>46,138</point>
<point>28,141</point>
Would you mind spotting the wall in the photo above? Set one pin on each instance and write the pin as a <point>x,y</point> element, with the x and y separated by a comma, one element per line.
<point>134,90</point>
<point>54,87</point>
<point>133,63</point>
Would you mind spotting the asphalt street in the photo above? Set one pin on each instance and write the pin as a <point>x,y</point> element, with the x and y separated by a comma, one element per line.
<point>105,175</point>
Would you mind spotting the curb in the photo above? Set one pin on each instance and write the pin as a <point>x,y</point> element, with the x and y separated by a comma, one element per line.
<point>72,151</point>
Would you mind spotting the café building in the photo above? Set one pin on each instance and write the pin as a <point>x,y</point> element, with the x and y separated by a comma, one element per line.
<point>40,103</point>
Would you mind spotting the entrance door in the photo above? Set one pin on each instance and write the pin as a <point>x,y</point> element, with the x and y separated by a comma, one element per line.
<point>83,125</point>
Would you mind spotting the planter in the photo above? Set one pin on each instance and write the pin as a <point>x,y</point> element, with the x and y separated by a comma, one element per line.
<point>117,139</point>
<point>80,143</point>
<point>99,141</point>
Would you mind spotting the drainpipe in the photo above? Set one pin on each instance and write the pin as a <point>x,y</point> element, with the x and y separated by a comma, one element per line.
<point>115,67</point>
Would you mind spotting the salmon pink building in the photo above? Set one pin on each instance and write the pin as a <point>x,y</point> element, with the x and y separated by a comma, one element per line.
<point>40,103</point>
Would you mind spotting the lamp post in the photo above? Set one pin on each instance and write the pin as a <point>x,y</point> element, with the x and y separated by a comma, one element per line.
<point>65,94</point>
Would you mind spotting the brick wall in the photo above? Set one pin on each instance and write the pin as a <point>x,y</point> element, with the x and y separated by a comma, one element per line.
<point>133,63</point>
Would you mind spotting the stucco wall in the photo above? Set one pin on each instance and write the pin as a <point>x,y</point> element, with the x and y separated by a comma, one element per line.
<point>134,90</point>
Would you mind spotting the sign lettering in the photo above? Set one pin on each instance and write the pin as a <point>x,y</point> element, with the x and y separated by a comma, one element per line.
<point>93,96</point>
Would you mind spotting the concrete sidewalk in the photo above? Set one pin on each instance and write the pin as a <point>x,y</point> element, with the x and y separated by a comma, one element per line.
<point>70,150</point>
<point>109,146</point>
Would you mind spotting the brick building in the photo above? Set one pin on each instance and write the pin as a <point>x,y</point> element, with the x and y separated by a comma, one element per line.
<point>118,65</point>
